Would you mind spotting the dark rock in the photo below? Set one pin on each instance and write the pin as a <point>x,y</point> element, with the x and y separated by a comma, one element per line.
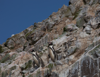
<point>59,56</point>
<point>95,52</point>
<point>86,1</point>
<point>72,1</point>
<point>10,43</point>
<point>1,49</point>
<point>95,22</point>
<point>5,58</point>
<point>19,49</point>
<point>27,65</point>
<point>34,37</point>
<point>58,62</point>
<point>90,2</point>
<point>80,22</point>
<point>4,74</point>
<point>39,24</point>
<point>49,25</point>
<point>54,74</point>
<point>99,1</point>
<point>98,52</point>
<point>93,2</point>
<point>66,60</point>
<point>99,62</point>
<point>22,40</point>
<point>71,50</point>
<point>89,67</point>
<point>74,70</point>
<point>13,68</point>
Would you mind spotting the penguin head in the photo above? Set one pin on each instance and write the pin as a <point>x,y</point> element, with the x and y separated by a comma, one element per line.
<point>33,52</point>
<point>50,43</point>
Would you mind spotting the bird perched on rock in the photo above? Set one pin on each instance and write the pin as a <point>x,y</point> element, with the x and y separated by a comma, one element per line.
<point>52,53</point>
<point>37,60</point>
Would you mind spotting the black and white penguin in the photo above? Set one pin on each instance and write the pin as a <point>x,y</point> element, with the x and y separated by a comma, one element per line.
<point>52,53</point>
<point>37,60</point>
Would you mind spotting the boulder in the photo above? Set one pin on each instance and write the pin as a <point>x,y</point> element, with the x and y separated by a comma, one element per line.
<point>88,67</point>
<point>72,1</point>
<point>74,70</point>
<point>10,43</point>
<point>5,58</point>
<point>80,22</point>
<point>66,13</point>
<point>19,49</point>
<point>35,36</point>
<point>98,52</point>
<point>1,49</point>
<point>71,50</point>
<point>72,8</point>
<point>70,27</point>
<point>83,34</point>
<point>88,29</point>
<point>95,22</point>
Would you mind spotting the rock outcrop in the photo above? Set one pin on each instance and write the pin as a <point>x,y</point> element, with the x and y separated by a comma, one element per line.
<point>75,33</point>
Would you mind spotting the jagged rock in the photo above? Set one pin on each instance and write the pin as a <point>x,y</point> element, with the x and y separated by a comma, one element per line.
<point>58,62</point>
<point>71,50</point>
<point>86,1</point>
<point>35,36</point>
<point>5,58</point>
<point>53,74</point>
<point>96,39</point>
<point>80,22</point>
<point>4,74</point>
<point>95,52</point>
<point>88,67</point>
<point>29,29</point>
<point>95,22</point>
<point>84,10</point>
<point>72,8</point>
<point>64,73</point>
<point>39,24</point>
<point>19,49</point>
<point>83,34</point>
<point>88,29</point>
<point>1,49</point>
<point>59,56</point>
<point>93,2</point>
<point>66,13</point>
<point>27,65</point>
<point>10,43</point>
<point>90,2</point>
<point>69,27</point>
<point>49,25</point>
<point>72,1</point>
<point>98,52</point>
<point>6,50</point>
<point>66,60</point>
<point>22,40</point>
<point>74,70</point>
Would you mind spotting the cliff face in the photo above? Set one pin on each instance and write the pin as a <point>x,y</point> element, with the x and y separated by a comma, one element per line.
<point>75,32</point>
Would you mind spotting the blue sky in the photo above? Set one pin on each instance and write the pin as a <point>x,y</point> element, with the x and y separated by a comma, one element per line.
<point>17,15</point>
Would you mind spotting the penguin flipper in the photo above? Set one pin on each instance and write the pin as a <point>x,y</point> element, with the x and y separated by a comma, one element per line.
<point>33,64</point>
<point>42,63</point>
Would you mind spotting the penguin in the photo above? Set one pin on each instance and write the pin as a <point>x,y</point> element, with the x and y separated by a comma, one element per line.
<point>52,53</point>
<point>37,60</point>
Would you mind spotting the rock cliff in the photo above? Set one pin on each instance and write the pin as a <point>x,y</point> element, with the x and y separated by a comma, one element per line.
<point>75,33</point>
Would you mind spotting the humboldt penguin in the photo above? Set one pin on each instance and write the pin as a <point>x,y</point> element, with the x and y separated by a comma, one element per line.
<point>52,53</point>
<point>37,60</point>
